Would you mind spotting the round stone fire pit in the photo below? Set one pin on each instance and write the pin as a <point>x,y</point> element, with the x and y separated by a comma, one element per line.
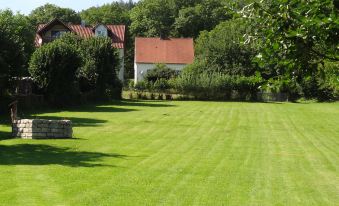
<point>42,129</point>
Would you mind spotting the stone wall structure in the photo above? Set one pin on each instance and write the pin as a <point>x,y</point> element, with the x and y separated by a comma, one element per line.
<point>42,129</point>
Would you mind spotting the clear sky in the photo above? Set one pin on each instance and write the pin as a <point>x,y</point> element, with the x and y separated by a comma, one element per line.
<point>26,6</point>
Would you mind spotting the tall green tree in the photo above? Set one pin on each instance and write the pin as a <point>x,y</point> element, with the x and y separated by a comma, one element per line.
<point>295,35</point>
<point>53,67</point>
<point>16,46</point>
<point>203,16</point>
<point>222,49</point>
<point>152,18</point>
<point>48,12</point>
<point>100,65</point>
<point>184,18</point>
<point>181,4</point>
<point>114,13</point>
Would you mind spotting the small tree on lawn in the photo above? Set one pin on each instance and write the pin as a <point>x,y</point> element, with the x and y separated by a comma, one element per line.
<point>100,67</point>
<point>53,67</point>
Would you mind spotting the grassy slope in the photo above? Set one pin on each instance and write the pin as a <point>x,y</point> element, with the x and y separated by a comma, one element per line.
<point>179,153</point>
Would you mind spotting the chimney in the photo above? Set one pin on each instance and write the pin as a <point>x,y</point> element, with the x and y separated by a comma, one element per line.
<point>83,23</point>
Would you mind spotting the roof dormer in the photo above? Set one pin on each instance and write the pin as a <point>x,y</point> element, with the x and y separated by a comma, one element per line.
<point>100,30</point>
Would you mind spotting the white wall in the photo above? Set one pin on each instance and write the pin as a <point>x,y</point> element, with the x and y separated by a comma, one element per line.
<point>122,65</point>
<point>140,69</point>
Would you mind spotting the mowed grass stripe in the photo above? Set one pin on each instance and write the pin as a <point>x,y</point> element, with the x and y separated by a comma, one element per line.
<point>327,135</point>
<point>190,169</point>
<point>139,165</point>
<point>215,159</point>
<point>219,169</point>
<point>162,159</point>
<point>198,177</point>
<point>304,173</point>
<point>316,144</point>
<point>180,154</point>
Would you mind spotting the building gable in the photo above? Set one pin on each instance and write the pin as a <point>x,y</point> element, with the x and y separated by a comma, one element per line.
<point>101,30</point>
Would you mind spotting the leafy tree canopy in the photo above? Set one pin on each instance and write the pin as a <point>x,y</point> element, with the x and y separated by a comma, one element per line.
<point>203,16</point>
<point>114,13</point>
<point>48,12</point>
<point>176,18</point>
<point>222,50</point>
<point>100,64</point>
<point>295,35</point>
<point>53,67</point>
<point>16,45</point>
<point>152,18</point>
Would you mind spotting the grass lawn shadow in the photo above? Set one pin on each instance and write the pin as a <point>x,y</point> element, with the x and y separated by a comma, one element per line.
<point>104,107</point>
<point>76,121</point>
<point>39,154</point>
<point>145,103</point>
<point>81,108</point>
<point>5,135</point>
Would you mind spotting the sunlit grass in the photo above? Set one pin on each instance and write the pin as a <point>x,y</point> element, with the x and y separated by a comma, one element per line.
<point>178,153</point>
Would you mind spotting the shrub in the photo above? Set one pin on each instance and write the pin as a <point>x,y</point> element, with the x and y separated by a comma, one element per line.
<point>326,93</point>
<point>141,86</point>
<point>285,85</point>
<point>324,84</point>
<point>160,71</point>
<point>53,68</point>
<point>160,85</point>
<point>331,78</point>
<point>99,69</point>
<point>129,83</point>
<point>310,87</point>
<point>217,85</point>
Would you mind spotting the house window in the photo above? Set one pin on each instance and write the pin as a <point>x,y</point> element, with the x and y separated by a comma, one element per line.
<point>101,31</point>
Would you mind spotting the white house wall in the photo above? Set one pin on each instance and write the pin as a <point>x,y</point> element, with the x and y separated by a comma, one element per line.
<point>122,64</point>
<point>140,69</point>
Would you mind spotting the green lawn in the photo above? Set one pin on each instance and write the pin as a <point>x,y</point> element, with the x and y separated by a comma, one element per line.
<point>179,153</point>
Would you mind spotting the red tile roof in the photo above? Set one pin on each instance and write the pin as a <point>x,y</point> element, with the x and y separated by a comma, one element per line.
<point>117,31</point>
<point>167,51</point>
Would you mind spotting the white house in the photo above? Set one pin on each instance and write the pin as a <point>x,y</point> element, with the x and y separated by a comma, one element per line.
<point>174,53</point>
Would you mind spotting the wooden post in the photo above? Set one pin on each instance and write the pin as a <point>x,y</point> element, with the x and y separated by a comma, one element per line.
<point>14,110</point>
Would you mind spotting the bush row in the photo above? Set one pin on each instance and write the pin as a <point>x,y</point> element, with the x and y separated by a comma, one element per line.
<point>206,86</point>
<point>200,83</point>
<point>218,86</point>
